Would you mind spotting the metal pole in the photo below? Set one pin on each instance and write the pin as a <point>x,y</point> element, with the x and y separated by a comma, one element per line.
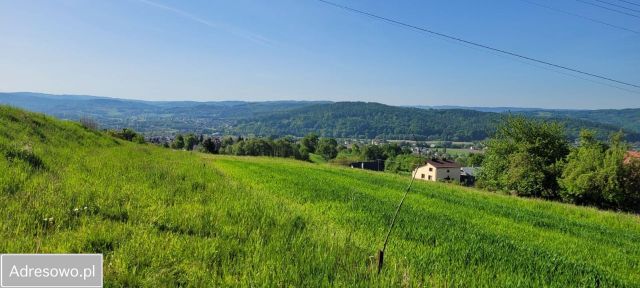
<point>393,222</point>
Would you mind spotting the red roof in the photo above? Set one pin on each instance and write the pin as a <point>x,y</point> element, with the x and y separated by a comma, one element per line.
<point>443,163</point>
<point>630,156</point>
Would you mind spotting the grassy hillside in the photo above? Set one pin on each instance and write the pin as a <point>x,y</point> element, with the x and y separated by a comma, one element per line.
<point>169,218</point>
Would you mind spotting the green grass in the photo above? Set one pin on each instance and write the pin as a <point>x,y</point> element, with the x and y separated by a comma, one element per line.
<point>318,159</point>
<point>457,152</point>
<point>175,218</point>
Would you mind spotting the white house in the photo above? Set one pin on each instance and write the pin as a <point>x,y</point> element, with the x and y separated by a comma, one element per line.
<point>438,170</point>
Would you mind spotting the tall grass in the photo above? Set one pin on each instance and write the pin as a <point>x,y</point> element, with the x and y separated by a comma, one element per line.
<point>174,218</point>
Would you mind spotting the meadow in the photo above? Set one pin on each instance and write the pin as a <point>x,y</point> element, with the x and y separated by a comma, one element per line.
<point>166,218</point>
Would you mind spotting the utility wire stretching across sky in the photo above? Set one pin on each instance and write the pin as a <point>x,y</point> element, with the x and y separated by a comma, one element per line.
<point>629,2</point>
<point>617,5</point>
<point>548,68</point>
<point>607,8</point>
<point>581,16</point>
<point>457,39</point>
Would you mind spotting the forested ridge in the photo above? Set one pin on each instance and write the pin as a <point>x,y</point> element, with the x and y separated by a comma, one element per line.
<point>375,120</point>
<point>298,118</point>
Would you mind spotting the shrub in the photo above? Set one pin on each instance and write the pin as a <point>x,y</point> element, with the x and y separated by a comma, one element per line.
<point>525,157</point>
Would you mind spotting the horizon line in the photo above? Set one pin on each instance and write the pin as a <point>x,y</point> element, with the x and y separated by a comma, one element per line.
<point>437,106</point>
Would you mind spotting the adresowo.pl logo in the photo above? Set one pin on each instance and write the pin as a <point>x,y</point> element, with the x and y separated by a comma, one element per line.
<point>51,270</point>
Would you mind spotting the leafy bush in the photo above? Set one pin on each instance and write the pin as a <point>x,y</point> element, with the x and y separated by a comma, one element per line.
<point>525,157</point>
<point>327,148</point>
<point>128,135</point>
<point>595,174</point>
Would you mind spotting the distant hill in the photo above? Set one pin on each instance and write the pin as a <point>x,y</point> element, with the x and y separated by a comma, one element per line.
<point>152,117</point>
<point>629,119</point>
<point>374,120</point>
<point>481,109</point>
<point>340,119</point>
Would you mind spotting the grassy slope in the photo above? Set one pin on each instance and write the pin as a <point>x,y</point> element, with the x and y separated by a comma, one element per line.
<point>166,218</point>
<point>315,158</point>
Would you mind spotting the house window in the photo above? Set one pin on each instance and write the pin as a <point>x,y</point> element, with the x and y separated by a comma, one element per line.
<point>429,177</point>
<point>422,176</point>
<point>430,169</point>
<point>447,170</point>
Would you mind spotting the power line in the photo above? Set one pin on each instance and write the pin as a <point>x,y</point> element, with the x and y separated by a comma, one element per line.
<point>607,8</point>
<point>629,2</point>
<point>616,5</point>
<point>548,68</point>
<point>347,8</point>
<point>581,16</point>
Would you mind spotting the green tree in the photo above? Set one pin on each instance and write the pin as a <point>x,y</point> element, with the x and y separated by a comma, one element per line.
<point>238,148</point>
<point>190,141</point>
<point>581,179</point>
<point>471,159</point>
<point>403,163</point>
<point>138,139</point>
<point>128,134</point>
<point>327,148</point>
<point>595,174</point>
<point>227,141</point>
<point>373,152</point>
<point>391,150</point>
<point>613,173</point>
<point>210,145</point>
<point>301,152</point>
<point>178,142</point>
<point>283,147</point>
<point>355,149</point>
<point>310,141</point>
<point>525,157</point>
<point>632,185</point>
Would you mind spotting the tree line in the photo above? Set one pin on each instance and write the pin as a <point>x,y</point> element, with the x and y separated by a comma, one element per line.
<point>534,159</point>
<point>286,147</point>
<point>397,158</point>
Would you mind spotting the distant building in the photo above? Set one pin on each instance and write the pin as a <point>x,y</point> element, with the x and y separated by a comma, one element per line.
<point>468,175</point>
<point>438,170</point>
<point>631,155</point>
<point>369,165</point>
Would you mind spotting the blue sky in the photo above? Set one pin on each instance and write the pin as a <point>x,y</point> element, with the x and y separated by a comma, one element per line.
<point>305,50</point>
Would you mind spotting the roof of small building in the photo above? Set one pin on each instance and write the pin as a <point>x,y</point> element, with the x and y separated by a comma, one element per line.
<point>631,155</point>
<point>471,171</point>
<point>443,163</point>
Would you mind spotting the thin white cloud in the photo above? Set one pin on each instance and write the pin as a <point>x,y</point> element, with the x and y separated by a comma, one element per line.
<point>219,26</point>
